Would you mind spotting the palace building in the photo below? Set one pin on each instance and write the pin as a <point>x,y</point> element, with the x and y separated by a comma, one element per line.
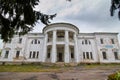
<point>63,42</point>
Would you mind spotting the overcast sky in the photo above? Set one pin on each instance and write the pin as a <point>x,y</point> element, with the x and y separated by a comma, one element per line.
<point>87,15</point>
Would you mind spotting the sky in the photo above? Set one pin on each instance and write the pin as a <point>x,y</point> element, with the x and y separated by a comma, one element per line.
<point>88,15</point>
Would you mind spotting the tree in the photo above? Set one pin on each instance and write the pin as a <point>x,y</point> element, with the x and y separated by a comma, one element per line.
<point>19,17</point>
<point>115,5</point>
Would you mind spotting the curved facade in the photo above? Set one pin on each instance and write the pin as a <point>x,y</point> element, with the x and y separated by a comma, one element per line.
<point>62,42</point>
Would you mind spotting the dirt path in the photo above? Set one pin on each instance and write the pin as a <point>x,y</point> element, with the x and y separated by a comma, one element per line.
<point>72,74</point>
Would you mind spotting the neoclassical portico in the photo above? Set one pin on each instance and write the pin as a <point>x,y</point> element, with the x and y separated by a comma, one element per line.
<point>61,43</point>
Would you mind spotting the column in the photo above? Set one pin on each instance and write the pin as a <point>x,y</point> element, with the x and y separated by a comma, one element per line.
<point>54,52</point>
<point>66,53</point>
<point>45,48</point>
<point>76,49</point>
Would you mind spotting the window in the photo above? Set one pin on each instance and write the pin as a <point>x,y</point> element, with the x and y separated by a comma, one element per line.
<point>32,42</point>
<point>35,41</point>
<point>83,55</point>
<point>82,42</point>
<point>86,42</point>
<point>104,55</point>
<point>38,42</point>
<point>116,55</point>
<point>112,40</point>
<point>91,55</point>
<point>6,54</point>
<point>34,54</point>
<point>37,54</point>
<point>101,40</point>
<point>89,42</point>
<point>87,54</point>
<point>72,55</point>
<point>20,40</point>
<point>30,54</point>
<point>48,55</point>
<point>17,54</point>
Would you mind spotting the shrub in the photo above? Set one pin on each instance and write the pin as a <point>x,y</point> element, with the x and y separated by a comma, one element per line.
<point>115,76</point>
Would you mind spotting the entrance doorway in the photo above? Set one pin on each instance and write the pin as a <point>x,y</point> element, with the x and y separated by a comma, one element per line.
<point>60,53</point>
<point>60,57</point>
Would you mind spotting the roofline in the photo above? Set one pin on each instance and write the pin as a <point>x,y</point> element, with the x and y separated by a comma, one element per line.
<point>60,23</point>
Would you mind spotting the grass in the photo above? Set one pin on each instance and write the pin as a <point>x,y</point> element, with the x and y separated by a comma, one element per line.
<point>53,68</point>
<point>27,68</point>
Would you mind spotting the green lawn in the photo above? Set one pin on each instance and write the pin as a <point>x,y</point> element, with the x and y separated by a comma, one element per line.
<point>27,68</point>
<point>53,68</point>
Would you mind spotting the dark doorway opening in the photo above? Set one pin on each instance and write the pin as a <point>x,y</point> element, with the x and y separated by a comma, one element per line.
<point>60,57</point>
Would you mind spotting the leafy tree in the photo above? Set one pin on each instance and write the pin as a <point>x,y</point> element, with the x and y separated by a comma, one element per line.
<point>115,5</point>
<point>19,17</point>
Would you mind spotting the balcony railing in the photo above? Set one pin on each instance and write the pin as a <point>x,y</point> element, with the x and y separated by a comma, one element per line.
<point>60,39</point>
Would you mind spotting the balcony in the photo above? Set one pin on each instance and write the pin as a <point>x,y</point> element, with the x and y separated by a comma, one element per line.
<point>60,39</point>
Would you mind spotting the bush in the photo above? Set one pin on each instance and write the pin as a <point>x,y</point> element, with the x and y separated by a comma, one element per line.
<point>115,76</point>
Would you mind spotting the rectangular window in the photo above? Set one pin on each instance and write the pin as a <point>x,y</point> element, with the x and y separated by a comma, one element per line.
<point>112,40</point>
<point>34,53</point>
<point>116,55</point>
<point>91,55</point>
<point>87,54</point>
<point>6,54</point>
<point>104,55</point>
<point>30,54</point>
<point>83,55</point>
<point>101,40</point>
<point>37,54</point>
<point>72,55</point>
<point>17,54</point>
<point>35,41</point>
<point>20,40</point>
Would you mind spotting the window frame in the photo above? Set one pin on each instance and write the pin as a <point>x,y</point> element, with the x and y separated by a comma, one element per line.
<point>104,54</point>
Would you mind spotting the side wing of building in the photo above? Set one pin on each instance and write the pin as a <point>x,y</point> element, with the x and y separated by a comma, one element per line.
<point>99,48</point>
<point>24,48</point>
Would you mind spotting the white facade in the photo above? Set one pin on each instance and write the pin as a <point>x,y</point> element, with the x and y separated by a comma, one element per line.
<point>62,42</point>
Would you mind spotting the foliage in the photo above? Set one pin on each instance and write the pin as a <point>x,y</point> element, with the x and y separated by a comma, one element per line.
<point>0,52</point>
<point>115,76</point>
<point>115,5</point>
<point>19,17</point>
